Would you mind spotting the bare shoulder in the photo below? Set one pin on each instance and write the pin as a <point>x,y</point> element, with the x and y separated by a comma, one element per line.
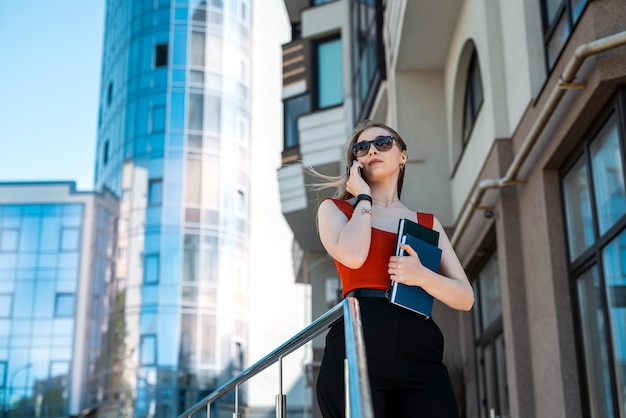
<point>328,208</point>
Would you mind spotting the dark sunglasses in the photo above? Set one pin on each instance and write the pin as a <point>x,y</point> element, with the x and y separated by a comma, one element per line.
<point>382,143</point>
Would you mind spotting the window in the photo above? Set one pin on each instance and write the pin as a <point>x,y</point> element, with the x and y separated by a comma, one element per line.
<point>473,97</point>
<point>151,269</point>
<point>155,192</point>
<point>8,239</point>
<point>559,18</point>
<point>157,119</point>
<point>64,305</point>
<point>160,55</point>
<point>6,303</point>
<point>490,358</point>
<point>329,86</point>
<point>3,374</point>
<point>70,239</point>
<point>197,49</point>
<point>294,108</point>
<point>368,54</point>
<point>594,200</point>
<point>105,153</point>
<point>110,93</point>
<point>196,111</point>
<point>147,350</point>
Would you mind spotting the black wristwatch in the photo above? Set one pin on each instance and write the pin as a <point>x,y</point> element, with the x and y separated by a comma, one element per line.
<point>361,197</point>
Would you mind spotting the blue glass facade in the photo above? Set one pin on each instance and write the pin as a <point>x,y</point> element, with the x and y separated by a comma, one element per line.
<point>173,144</point>
<point>39,279</point>
<point>55,258</point>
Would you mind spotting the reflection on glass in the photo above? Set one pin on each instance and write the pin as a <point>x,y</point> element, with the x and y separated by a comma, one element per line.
<point>594,341</point>
<point>330,74</point>
<point>147,352</point>
<point>578,209</point>
<point>490,298</point>
<point>8,240</point>
<point>552,6</point>
<point>614,260</point>
<point>64,305</point>
<point>608,176</point>
<point>559,36</point>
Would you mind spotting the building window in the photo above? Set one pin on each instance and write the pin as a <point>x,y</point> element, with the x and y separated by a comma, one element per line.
<point>559,18</point>
<point>160,55</point>
<point>196,111</point>
<point>3,374</point>
<point>197,49</point>
<point>157,119</point>
<point>368,54</point>
<point>147,350</point>
<point>151,269</point>
<point>8,239</point>
<point>110,93</point>
<point>6,304</point>
<point>64,305</point>
<point>105,153</point>
<point>490,357</point>
<point>473,97</point>
<point>155,192</point>
<point>329,86</point>
<point>594,201</point>
<point>70,239</point>
<point>294,107</point>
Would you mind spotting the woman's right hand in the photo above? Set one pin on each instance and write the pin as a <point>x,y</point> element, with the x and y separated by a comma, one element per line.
<point>356,185</point>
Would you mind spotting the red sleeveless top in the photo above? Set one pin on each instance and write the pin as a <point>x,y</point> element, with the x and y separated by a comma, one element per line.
<point>373,273</point>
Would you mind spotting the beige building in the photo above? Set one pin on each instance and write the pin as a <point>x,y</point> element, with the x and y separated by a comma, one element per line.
<point>515,117</point>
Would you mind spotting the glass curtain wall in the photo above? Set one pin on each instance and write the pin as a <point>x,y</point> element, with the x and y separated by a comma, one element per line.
<point>174,143</point>
<point>39,279</point>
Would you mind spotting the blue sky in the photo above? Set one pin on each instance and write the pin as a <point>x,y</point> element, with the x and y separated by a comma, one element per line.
<point>49,89</point>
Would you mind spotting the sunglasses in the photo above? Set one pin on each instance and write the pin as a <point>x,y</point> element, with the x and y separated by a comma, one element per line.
<point>382,143</point>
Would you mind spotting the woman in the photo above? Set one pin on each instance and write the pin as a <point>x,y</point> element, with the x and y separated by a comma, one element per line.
<point>404,350</point>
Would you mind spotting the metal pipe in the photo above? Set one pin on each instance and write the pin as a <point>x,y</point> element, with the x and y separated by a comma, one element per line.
<point>510,178</point>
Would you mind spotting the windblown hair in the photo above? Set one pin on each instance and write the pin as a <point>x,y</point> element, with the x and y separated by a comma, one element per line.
<point>339,182</point>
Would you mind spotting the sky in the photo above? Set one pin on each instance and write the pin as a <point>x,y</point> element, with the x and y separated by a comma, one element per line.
<point>49,93</point>
<point>49,89</point>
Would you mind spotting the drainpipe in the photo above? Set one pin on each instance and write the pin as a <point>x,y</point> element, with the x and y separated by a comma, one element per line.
<point>510,178</point>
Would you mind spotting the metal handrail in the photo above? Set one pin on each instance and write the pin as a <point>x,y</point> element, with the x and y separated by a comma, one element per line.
<point>358,394</point>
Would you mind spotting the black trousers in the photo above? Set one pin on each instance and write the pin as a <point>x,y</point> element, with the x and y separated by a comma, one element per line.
<point>404,357</point>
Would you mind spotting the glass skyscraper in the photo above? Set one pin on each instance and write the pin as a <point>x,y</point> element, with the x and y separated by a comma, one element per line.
<point>173,144</point>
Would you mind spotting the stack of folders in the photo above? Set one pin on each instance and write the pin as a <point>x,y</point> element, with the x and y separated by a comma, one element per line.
<point>424,241</point>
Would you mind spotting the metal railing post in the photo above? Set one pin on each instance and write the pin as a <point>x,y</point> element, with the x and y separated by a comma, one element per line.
<point>237,414</point>
<point>281,399</point>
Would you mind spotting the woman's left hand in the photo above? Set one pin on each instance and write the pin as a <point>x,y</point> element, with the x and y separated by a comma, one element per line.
<point>406,269</point>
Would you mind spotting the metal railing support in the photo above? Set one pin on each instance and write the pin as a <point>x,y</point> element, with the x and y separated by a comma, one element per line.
<point>358,383</point>
<point>281,398</point>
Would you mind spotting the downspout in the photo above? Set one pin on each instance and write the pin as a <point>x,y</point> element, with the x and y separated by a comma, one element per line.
<point>510,178</point>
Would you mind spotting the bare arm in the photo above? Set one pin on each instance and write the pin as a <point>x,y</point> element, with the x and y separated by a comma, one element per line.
<point>347,241</point>
<point>451,285</point>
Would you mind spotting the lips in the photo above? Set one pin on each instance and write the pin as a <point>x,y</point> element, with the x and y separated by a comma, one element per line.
<point>374,161</point>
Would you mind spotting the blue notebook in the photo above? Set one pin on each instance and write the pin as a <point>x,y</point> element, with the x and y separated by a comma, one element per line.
<point>414,298</point>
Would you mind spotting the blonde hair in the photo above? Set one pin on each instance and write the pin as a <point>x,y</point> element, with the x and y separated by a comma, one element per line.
<point>339,182</point>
